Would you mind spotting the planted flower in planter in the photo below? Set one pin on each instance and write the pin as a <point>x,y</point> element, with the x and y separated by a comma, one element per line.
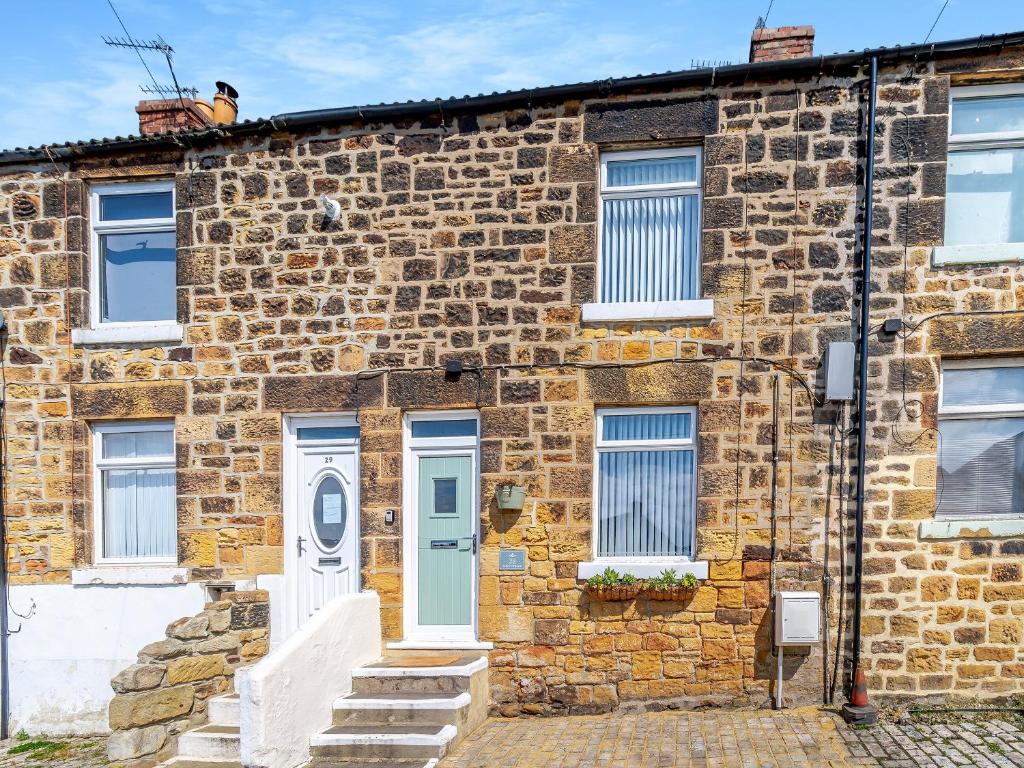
<point>611,585</point>
<point>669,586</point>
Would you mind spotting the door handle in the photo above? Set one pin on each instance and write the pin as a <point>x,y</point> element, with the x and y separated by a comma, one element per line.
<point>298,542</point>
<point>472,543</point>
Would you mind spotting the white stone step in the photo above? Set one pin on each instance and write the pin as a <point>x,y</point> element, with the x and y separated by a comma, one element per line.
<point>224,710</point>
<point>392,667</point>
<point>393,708</point>
<point>396,742</point>
<point>198,762</point>
<point>219,742</point>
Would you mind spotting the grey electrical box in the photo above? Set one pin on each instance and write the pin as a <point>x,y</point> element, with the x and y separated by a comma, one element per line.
<point>797,618</point>
<point>839,370</point>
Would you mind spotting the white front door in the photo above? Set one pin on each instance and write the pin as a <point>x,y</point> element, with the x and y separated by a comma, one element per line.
<point>322,516</point>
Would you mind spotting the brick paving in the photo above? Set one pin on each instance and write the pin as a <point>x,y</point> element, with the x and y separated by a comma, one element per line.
<point>995,743</point>
<point>797,738</point>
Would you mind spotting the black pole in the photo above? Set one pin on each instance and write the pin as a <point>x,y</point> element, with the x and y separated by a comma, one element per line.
<point>862,395</point>
<point>5,667</point>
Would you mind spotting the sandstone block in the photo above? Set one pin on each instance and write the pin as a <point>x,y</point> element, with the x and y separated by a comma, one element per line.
<point>138,677</point>
<point>187,669</point>
<point>137,742</point>
<point>131,710</point>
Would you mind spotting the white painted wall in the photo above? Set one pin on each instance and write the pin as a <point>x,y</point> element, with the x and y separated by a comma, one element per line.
<point>75,639</point>
<point>287,696</point>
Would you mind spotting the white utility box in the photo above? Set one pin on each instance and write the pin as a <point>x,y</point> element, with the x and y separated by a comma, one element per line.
<point>797,618</point>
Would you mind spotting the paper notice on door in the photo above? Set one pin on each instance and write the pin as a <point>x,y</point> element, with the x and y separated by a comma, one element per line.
<point>331,508</point>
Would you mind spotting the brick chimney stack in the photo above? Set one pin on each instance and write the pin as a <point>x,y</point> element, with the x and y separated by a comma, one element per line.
<point>163,115</point>
<point>768,44</point>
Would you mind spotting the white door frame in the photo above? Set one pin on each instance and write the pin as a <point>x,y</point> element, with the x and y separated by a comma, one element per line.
<point>291,500</point>
<point>412,449</point>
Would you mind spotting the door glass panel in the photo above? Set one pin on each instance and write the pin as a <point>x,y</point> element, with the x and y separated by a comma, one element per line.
<point>444,496</point>
<point>445,428</point>
<point>327,433</point>
<point>330,512</point>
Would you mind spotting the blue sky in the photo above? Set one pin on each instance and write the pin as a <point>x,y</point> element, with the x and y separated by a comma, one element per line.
<point>60,82</point>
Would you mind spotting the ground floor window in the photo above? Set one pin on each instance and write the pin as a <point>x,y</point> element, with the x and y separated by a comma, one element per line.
<point>645,471</point>
<point>981,439</point>
<point>134,492</point>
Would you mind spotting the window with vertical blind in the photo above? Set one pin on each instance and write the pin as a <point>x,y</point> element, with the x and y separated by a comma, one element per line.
<point>134,493</point>
<point>981,439</point>
<point>645,482</point>
<point>984,175</point>
<point>650,229</point>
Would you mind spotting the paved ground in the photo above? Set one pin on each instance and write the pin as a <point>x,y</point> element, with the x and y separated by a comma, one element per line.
<point>798,738</point>
<point>53,752</point>
<point>980,743</point>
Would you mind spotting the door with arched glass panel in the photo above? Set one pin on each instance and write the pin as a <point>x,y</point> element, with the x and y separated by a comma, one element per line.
<point>327,541</point>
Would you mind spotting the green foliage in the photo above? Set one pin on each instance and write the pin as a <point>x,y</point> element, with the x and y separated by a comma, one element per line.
<point>611,578</point>
<point>668,579</point>
<point>38,748</point>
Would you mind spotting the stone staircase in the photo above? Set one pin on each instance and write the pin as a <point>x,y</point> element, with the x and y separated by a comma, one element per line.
<point>405,711</point>
<point>216,744</point>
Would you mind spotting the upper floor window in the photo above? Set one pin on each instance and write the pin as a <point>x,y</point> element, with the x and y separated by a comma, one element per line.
<point>985,175</point>
<point>134,262</point>
<point>981,439</point>
<point>649,262</point>
<point>134,492</point>
<point>646,492</point>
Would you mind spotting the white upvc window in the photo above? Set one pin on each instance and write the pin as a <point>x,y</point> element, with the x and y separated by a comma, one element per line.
<point>985,175</point>
<point>649,236</point>
<point>133,275</point>
<point>981,439</point>
<point>645,490</point>
<point>134,498</point>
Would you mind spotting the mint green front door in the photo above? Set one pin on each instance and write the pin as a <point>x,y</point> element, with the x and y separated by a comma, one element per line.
<point>446,542</point>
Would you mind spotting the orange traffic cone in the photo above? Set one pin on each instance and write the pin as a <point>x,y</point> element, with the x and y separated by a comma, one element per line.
<point>859,696</point>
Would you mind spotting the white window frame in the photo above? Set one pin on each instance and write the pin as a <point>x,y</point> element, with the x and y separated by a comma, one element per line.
<point>100,332</point>
<point>686,309</point>
<point>99,464</point>
<point>647,565</point>
<point>962,412</point>
<point>989,252</point>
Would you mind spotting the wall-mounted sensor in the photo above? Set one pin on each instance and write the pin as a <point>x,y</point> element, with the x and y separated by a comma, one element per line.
<point>332,208</point>
<point>389,517</point>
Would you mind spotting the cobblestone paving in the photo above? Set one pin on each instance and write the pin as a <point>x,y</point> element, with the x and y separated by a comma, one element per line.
<point>54,752</point>
<point>797,738</point>
<point>977,743</point>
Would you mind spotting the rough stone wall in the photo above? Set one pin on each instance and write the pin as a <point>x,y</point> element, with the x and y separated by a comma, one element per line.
<point>166,692</point>
<point>942,616</point>
<point>477,240</point>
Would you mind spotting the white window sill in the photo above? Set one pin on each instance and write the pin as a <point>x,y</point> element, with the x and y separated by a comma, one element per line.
<point>643,569</point>
<point>133,333</point>
<point>692,309</point>
<point>972,528</point>
<point>115,575</point>
<point>978,254</point>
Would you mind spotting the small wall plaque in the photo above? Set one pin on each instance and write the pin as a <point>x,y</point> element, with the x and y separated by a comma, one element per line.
<point>512,560</point>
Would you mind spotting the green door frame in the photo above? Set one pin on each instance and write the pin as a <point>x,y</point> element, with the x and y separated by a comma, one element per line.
<point>415,448</point>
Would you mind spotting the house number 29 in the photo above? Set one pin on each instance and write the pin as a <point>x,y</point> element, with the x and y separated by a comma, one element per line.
<point>328,459</point>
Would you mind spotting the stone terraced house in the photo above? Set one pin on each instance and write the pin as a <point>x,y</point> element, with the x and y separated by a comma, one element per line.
<point>466,354</point>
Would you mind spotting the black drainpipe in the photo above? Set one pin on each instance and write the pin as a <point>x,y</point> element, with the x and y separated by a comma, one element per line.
<point>862,395</point>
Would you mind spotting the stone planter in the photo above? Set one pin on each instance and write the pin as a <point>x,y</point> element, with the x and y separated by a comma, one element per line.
<point>678,593</point>
<point>614,591</point>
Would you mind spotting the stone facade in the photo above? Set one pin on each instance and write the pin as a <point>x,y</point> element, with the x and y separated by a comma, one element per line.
<point>473,236</point>
<point>166,692</point>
